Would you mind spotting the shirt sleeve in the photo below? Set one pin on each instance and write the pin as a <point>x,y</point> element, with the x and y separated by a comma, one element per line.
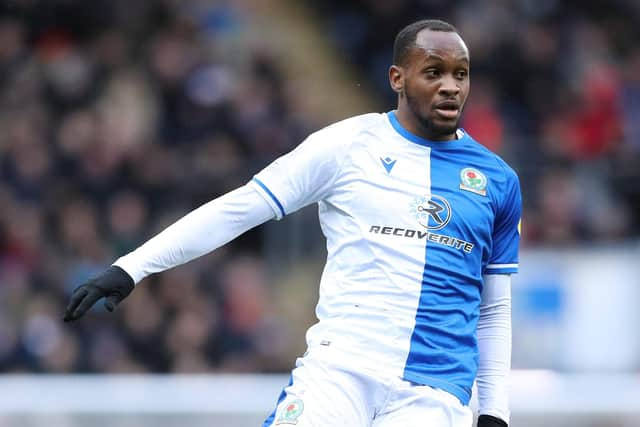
<point>494,346</point>
<point>197,233</point>
<point>506,232</point>
<point>303,176</point>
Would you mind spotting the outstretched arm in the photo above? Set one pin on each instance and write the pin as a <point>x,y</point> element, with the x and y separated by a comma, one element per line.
<point>494,342</point>
<point>299,178</point>
<point>197,233</point>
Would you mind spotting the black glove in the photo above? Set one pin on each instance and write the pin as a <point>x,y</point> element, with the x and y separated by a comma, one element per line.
<point>114,284</point>
<point>490,421</point>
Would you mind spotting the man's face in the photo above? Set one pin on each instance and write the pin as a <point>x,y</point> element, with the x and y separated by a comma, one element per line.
<point>433,83</point>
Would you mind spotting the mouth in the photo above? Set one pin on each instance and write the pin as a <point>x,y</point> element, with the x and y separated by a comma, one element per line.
<point>448,109</point>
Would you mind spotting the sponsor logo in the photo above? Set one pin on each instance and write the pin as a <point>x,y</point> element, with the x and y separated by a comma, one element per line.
<point>432,212</point>
<point>388,163</point>
<point>291,412</point>
<point>471,179</point>
<point>408,233</point>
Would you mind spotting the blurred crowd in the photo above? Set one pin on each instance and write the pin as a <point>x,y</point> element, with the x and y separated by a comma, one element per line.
<point>555,89</point>
<point>117,117</point>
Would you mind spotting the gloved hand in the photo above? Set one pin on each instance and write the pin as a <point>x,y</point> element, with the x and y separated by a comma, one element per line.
<point>114,284</point>
<point>490,421</point>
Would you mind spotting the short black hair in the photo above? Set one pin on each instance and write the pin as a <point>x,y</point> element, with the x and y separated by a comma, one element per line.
<point>406,38</point>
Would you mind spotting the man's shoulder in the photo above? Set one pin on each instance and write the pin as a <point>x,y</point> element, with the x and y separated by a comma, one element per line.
<point>491,156</point>
<point>354,125</point>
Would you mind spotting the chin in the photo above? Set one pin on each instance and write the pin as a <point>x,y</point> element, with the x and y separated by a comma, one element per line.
<point>445,129</point>
<point>441,129</point>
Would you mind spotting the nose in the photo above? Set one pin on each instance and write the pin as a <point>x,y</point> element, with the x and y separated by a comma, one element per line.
<point>449,86</point>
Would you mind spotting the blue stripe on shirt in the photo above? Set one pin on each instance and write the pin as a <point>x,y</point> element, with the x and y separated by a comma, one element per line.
<point>501,270</point>
<point>273,197</point>
<point>269,421</point>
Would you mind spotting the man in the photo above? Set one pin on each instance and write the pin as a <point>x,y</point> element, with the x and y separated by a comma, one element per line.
<point>422,235</point>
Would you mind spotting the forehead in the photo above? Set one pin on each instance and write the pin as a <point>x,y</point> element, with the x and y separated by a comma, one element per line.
<point>447,45</point>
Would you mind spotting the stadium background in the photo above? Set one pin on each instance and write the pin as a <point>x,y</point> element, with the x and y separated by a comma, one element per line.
<point>117,117</point>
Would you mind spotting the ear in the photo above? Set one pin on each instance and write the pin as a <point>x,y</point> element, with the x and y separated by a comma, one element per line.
<point>396,78</point>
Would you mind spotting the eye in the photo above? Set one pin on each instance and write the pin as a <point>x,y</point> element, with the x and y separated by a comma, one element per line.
<point>461,74</point>
<point>432,72</point>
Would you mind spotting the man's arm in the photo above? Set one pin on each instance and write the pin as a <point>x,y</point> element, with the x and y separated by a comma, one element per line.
<point>494,343</point>
<point>299,178</point>
<point>196,234</point>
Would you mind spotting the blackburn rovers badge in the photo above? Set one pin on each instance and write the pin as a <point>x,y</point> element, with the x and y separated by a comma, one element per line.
<point>473,180</point>
<point>291,412</point>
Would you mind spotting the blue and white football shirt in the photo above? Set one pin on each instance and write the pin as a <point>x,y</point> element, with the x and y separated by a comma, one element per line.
<point>411,227</point>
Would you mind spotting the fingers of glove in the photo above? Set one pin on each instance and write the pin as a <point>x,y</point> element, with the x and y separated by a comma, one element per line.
<point>76,298</point>
<point>490,421</point>
<point>87,302</point>
<point>111,302</point>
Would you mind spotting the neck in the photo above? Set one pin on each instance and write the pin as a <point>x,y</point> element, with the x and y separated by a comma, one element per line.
<point>410,122</point>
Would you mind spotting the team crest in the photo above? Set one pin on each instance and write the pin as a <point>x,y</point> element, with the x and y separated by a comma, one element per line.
<point>432,212</point>
<point>473,180</point>
<point>291,412</point>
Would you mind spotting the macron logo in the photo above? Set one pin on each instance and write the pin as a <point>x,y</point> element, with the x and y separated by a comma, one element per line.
<point>388,163</point>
